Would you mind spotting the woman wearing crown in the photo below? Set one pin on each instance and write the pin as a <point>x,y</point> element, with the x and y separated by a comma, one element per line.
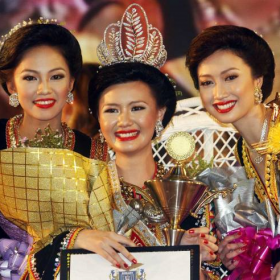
<point>133,102</point>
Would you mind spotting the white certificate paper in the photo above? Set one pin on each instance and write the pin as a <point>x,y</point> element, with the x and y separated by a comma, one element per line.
<point>154,263</point>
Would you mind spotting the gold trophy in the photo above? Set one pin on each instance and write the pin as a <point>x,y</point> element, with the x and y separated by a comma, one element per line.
<point>177,194</point>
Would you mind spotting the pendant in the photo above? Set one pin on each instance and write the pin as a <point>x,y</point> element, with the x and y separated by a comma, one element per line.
<point>258,159</point>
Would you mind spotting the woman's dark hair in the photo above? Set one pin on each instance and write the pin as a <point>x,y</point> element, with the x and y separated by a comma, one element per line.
<point>243,42</point>
<point>35,35</point>
<point>162,89</point>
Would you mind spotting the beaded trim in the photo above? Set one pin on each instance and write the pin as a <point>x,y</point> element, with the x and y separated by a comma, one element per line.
<point>67,243</point>
<point>98,150</point>
<point>269,189</point>
<point>12,134</point>
<point>148,237</point>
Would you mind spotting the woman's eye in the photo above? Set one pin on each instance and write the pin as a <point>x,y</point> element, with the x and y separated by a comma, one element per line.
<point>29,78</point>
<point>111,110</point>
<point>231,77</point>
<point>137,108</point>
<point>205,83</point>
<point>57,77</point>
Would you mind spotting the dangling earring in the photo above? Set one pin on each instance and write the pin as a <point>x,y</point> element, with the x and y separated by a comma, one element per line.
<point>13,99</point>
<point>70,98</point>
<point>159,128</point>
<point>258,95</point>
<point>102,139</point>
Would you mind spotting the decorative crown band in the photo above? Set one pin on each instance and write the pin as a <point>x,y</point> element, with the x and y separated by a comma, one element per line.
<point>41,20</point>
<point>132,39</point>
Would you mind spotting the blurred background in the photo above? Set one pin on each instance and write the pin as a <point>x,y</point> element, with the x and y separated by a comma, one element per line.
<point>178,20</point>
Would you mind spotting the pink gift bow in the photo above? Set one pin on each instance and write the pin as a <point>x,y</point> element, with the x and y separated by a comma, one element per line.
<point>255,262</point>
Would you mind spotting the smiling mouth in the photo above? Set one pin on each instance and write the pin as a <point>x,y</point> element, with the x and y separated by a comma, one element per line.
<point>44,103</point>
<point>224,107</point>
<point>127,135</point>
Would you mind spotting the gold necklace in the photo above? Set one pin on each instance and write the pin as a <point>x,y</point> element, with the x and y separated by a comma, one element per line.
<point>259,158</point>
<point>48,139</point>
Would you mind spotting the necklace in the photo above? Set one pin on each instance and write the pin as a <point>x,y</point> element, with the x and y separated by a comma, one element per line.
<point>258,157</point>
<point>48,139</point>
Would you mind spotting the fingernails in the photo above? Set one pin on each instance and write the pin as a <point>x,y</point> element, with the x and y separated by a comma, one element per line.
<point>191,231</point>
<point>202,235</point>
<point>205,241</point>
<point>134,261</point>
<point>125,265</point>
<point>211,253</point>
<point>118,265</point>
<point>239,232</point>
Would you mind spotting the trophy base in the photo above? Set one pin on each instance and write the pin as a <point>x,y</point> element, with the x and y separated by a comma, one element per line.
<point>173,236</point>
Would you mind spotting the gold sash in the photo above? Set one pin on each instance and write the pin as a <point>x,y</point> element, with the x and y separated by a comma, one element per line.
<point>46,191</point>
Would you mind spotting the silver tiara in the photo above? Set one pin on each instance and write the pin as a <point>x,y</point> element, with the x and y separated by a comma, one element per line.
<point>132,39</point>
<point>41,20</point>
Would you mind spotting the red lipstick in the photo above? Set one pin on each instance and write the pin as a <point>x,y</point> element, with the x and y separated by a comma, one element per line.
<point>44,103</point>
<point>224,106</point>
<point>127,135</point>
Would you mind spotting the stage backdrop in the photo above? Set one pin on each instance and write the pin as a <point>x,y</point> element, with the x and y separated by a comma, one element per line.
<point>178,20</point>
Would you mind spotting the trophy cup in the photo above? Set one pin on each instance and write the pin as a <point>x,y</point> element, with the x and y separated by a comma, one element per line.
<point>177,194</point>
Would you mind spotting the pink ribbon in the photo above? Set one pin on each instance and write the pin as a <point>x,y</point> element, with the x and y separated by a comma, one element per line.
<point>255,262</point>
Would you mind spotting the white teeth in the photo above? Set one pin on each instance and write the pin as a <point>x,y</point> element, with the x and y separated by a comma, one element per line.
<point>226,106</point>
<point>125,135</point>
<point>44,102</point>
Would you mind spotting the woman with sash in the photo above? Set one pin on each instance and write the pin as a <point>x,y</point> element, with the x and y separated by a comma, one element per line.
<point>133,102</point>
<point>233,69</point>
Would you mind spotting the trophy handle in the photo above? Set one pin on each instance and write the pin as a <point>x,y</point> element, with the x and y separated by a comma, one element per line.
<point>208,197</point>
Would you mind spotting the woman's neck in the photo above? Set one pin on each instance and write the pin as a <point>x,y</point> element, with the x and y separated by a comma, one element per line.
<point>252,126</point>
<point>136,168</point>
<point>29,126</point>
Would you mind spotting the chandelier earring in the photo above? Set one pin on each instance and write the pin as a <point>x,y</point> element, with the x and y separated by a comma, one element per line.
<point>159,128</point>
<point>258,95</point>
<point>13,99</point>
<point>70,98</point>
<point>101,136</point>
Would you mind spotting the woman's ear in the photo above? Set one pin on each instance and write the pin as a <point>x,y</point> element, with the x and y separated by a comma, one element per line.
<point>72,81</point>
<point>161,113</point>
<point>258,82</point>
<point>11,87</point>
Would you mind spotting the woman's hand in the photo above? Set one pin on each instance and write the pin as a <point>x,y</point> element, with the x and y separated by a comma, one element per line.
<point>201,237</point>
<point>105,244</point>
<point>228,251</point>
<point>275,274</point>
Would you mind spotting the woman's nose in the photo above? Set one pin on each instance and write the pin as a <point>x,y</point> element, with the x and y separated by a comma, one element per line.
<point>124,119</point>
<point>43,88</point>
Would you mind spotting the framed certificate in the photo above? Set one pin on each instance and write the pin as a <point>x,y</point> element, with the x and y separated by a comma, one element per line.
<point>154,263</point>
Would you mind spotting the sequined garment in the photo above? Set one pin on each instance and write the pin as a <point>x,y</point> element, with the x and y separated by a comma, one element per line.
<point>48,191</point>
<point>143,233</point>
<point>269,188</point>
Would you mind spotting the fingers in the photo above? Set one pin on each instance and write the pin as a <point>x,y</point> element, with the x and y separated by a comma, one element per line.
<point>275,274</point>
<point>228,239</point>
<point>209,245</point>
<point>198,230</point>
<point>106,244</point>
<point>207,254</point>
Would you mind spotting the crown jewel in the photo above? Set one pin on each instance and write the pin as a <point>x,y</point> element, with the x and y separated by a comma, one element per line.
<point>132,39</point>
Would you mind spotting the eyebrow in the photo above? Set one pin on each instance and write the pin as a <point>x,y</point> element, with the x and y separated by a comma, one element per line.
<point>34,71</point>
<point>223,72</point>
<point>131,103</point>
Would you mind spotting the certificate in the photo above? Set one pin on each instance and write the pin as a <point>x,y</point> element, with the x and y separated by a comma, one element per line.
<point>154,263</point>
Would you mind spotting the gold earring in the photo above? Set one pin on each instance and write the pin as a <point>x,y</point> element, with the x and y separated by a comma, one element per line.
<point>258,95</point>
